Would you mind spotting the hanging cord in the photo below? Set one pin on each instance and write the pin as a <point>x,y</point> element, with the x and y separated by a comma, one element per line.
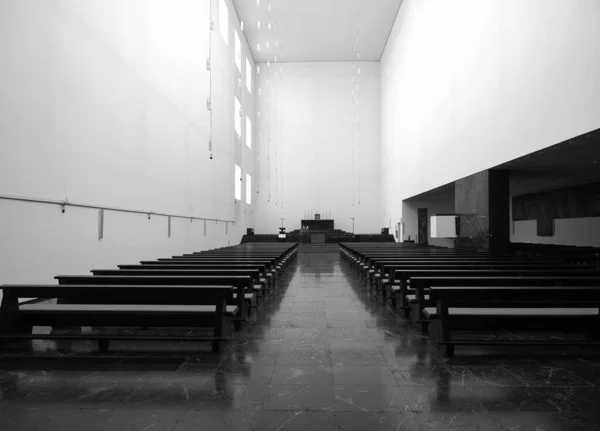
<point>358,99</point>
<point>209,67</point>
<point>268,123</point>
<point>275,104</point>
<point>258,128</point>
<point>258,119</point>
<point>282,99</point>
<point>354,122</point>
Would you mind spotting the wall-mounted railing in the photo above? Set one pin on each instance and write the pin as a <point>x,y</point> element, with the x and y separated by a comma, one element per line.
<point>65,203</point>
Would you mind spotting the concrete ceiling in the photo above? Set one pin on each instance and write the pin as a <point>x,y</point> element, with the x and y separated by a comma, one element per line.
<point>576,161</point>
<point>442,193</point>
<point>317,30</point>
<point>575,155</point>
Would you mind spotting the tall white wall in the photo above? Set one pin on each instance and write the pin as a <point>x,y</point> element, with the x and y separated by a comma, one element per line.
<point>104,103</point>
<point>309,116</point>
<point>469,84</point>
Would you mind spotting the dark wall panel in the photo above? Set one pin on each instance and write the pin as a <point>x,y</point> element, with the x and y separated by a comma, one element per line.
<point>570,202</point>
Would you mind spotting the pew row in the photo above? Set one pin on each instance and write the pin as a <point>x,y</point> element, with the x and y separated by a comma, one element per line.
<point>243,285</point>
<point>117,305</point>
<point>463,310</point>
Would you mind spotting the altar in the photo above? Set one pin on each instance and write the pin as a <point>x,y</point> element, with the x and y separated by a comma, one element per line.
<point>318,225</point>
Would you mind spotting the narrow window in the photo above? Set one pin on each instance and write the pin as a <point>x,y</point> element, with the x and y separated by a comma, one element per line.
<point>248,132</point>
<point>248,76</point>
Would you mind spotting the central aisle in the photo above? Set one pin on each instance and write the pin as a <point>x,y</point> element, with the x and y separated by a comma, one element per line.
<point>327,355</point>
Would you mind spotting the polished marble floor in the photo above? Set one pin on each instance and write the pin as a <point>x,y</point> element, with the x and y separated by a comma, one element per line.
<point>322,354</point>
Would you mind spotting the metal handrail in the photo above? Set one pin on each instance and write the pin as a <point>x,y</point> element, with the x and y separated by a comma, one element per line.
<point>66,203</point>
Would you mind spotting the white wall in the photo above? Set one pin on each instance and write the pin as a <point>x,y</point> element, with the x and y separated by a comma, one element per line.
<point>104,103</point>
<point>443,205</point>
<point>311,168</point>
<point>469,84</point>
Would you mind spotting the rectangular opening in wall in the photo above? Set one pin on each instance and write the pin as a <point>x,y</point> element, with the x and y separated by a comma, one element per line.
<point>443,226</point>
<point>248,189</point>
<point>238,52</point>
<point>224,21</point>
<point>238,117</point>
<point>248,132</point>
<point>248,75</point>
<point>238,183</point>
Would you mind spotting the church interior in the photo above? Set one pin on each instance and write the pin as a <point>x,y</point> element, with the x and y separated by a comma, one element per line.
<point>377,215</point>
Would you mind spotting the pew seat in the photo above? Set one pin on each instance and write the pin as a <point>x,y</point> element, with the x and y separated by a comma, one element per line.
<point>431,312</point>
<point>36,311</point>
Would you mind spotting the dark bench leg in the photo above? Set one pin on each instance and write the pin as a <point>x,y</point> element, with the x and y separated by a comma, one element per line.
<point>593,333</point>
<point>9,318</point>
<point>401,300</point>
<point>103,345</point>
<point>221,305</point>
<point>444,329</point>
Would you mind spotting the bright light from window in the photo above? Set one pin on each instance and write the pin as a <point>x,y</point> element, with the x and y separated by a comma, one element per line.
<point>248,75</point>
<point>248,189</point>
<point>224,21</point>
<point>238,52</point>
<point>248,132</point>
<point>238,183</point>
<point>238,117</point>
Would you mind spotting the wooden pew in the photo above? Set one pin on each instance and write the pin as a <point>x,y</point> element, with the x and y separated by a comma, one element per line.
<point>398,274</point>
<point>271,263</point>
<point>284,254</point>
<point>242,284</point>
<point>271,268</point>
<point>246,253</point>
<point>251,297</point>
<point>121,305</point>
<point>405,276</point>
<point>385,270</point>
<point>266,275</point>
<point>513,308</point>
<point>360,258</point>
<point>576,255</point>
<point>369,262</point>
<point>421,285</point>
<point>274,262</point>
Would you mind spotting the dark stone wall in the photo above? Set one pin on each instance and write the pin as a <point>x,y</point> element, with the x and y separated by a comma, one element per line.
<point>471,203</point>
<point>499,211</point>
<point>569,202</point>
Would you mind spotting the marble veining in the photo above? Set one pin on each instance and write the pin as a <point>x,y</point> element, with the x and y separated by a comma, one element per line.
<point>321,353</point>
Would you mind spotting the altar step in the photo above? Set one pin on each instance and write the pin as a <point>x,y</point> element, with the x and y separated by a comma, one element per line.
<point>318,248</point>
